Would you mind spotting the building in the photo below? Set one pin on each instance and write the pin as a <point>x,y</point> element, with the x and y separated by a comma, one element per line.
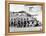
<point>23,19</point>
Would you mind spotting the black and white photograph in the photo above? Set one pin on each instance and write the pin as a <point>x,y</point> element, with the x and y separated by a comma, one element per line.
<point>25,18</point>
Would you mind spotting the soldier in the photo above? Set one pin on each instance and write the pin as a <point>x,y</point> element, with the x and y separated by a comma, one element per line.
<point>24,22</point>
<point>28,22</point>
<point>12,23</point>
